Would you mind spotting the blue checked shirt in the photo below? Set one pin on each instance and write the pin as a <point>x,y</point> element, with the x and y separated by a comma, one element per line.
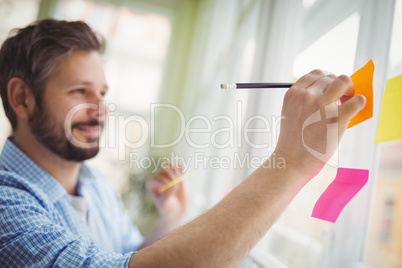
<point>40,228</point>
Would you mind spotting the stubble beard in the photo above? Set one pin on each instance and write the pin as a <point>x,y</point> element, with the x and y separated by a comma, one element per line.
<point>52,135</point>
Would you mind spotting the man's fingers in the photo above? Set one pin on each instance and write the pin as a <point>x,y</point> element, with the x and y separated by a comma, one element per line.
<point>309,79</point>
<point>171,171</point>
<point>350,108</point>
<point>165,176</point>
<point>341,88</point>
<point>322,83</point>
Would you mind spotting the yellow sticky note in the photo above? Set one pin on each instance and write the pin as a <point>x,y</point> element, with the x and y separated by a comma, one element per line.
<point>390,124</point>
<point>363,81</point>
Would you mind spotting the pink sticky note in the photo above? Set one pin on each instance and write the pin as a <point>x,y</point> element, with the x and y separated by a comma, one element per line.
<point>346,185</point>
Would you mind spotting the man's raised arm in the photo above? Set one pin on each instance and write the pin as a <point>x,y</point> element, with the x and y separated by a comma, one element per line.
<point>225,234</point>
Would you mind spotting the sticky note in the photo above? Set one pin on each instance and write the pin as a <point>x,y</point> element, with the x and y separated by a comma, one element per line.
<point>347,183</point>
<point>389,125</point>
<point>363,81</point>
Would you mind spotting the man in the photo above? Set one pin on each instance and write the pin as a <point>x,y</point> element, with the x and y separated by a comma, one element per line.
<point>47,70</point>
<point>55,210</point>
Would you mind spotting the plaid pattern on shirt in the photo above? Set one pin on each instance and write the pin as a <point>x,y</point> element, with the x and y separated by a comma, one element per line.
<point>40,228</point>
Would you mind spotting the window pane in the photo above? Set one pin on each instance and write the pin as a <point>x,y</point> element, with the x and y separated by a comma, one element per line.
<point>334,52</point>
<point>385,243</point>
<point>298,240</point>
<point>137,44</point>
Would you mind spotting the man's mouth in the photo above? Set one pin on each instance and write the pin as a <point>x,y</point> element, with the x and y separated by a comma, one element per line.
<point>90,129</point>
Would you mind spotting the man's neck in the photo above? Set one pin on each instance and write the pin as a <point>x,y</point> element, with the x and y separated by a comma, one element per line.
<point>65,172</point>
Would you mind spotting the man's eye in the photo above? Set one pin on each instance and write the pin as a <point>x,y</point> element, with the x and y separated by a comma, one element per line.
<point>79,91</point>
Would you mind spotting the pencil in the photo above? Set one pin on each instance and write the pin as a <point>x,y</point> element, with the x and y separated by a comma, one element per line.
<point>171,183</point>
<point>255,85</point>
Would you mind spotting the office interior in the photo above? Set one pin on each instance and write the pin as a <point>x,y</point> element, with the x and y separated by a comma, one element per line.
<point>165,61</point>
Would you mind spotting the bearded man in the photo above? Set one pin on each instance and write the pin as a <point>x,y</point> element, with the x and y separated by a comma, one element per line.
<point>57,211</point>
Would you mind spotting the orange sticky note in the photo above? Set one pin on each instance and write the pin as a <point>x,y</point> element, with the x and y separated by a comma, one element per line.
<point>363,81</point>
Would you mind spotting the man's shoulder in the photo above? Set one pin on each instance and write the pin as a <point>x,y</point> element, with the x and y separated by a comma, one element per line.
<point>13,185</point>
<point>11,179</point>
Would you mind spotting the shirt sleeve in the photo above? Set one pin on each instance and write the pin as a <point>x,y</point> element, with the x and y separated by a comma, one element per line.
<point>29,237</point>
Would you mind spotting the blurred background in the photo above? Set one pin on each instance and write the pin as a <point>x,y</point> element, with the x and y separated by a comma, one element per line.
<point>165,61</point>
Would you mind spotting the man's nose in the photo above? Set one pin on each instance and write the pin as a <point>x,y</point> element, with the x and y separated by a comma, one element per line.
<point>100,111</point>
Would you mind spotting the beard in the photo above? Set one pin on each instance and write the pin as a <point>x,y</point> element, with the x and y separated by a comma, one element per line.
<point>53,136</point>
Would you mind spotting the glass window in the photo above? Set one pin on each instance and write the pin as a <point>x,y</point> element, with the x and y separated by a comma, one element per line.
<point>385,243</point>
<point>137,44</point>
<point>297,239</point>
<point>323,54</point>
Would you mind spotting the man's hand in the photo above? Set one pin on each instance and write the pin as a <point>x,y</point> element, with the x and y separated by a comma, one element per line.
<point>314,122</point>
<point>171,203</point>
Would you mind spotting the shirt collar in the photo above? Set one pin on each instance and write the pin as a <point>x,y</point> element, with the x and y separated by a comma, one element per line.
<point>13,159</point>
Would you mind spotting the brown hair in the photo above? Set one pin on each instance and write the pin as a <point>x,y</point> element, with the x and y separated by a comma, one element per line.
<point>32,54</point>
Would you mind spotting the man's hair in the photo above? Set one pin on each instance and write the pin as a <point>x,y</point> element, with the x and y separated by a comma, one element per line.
<point>32,54</point>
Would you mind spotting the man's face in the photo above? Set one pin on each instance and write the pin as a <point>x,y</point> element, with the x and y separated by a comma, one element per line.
<point>73,112</point>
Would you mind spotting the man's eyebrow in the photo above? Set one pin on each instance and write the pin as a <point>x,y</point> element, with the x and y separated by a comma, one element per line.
<point>85,83</point>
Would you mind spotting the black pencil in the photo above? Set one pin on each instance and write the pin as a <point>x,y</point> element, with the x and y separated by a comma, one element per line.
<point>255,85</point>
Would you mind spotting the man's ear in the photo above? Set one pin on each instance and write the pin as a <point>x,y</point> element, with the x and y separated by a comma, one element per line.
<point>20,97</point>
